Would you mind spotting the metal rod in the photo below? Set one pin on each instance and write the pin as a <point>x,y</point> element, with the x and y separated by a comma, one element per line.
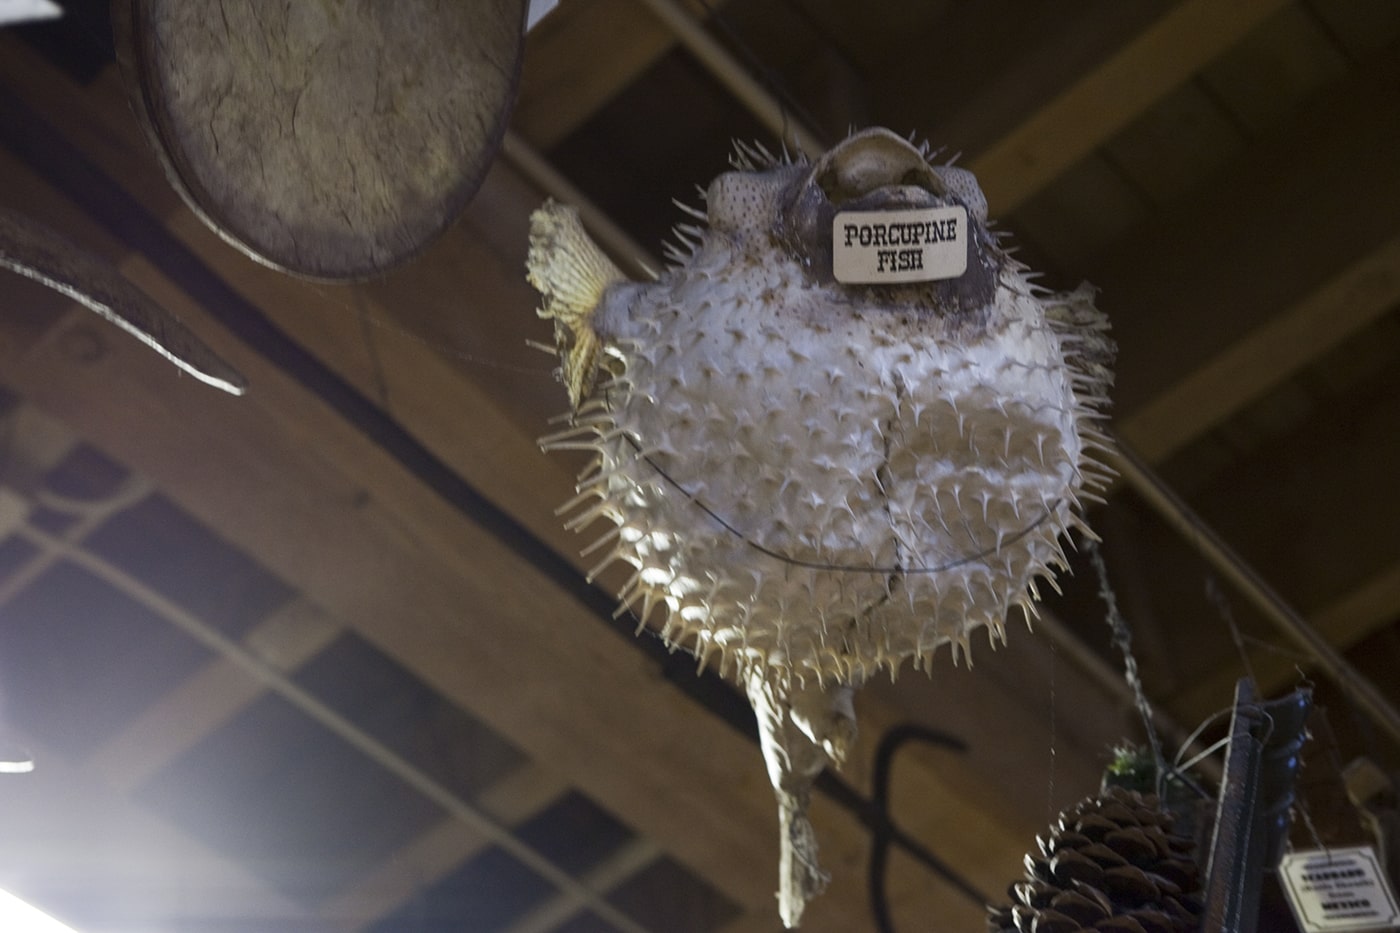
<point>1137,474</point>
<point>1232,901</point>
<point>1256,798</point>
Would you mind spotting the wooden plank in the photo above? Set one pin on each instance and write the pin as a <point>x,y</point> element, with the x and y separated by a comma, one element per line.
<point>1084,115</point>
<point>1176,144</point>
<point>1300,510</point>
<point>1027,688</point>
<point>1305,507</point>
<point>978,70</point>
<point>1287,60</point>
<point>35,444</point>
<point>1363,28</point>
<point>1248,368</point>
<point>1285,222</point>
<point>612,872</point>
<point>1080,213</point>
<point>1093,109</point>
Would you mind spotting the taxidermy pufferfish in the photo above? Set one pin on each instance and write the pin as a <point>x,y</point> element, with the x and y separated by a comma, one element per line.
<point>817,472</point>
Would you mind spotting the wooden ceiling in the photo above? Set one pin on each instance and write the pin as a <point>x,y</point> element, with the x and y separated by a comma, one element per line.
<point>321,657</point>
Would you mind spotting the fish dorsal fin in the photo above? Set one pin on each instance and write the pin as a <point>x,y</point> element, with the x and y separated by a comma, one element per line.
<point>571,272</point>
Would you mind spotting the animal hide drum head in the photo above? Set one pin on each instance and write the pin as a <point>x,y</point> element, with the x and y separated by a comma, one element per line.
<point>330,139</point>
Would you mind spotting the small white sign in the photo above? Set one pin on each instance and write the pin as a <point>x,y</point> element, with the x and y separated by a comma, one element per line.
<point>1338,889</point>
<point>883,247</point>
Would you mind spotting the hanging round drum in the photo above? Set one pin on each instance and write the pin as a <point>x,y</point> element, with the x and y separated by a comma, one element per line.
<point>330,139</point>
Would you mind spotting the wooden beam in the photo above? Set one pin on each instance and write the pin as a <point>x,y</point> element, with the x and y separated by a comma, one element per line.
<point>1286,222</point>
<point>1300,508</point>
<point>614,871</point>
<point>1095,107</point>
<point>1248,368</point>
<point>1027,688</point>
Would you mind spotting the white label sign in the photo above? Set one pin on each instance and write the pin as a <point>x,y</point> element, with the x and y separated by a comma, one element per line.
<point>882,247</point>
<point>1338,889</point>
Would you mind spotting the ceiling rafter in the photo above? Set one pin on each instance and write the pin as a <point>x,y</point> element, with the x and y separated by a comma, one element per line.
<point>1219,309</point>
<point>436,403</point>
<point>1092,110</point>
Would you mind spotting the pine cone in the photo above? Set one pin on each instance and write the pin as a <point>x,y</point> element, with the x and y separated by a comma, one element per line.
<point>1110,863</point>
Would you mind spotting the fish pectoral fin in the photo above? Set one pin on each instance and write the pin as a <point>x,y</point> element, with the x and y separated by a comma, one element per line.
<point>572,273</point>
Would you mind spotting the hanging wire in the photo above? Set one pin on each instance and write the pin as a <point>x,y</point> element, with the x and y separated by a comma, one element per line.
<point>1222,606</point>
<point>1180,770</point>
<point>1123,641</point>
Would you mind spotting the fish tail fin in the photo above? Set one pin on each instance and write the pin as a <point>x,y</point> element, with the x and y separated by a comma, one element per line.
<point>571,272</point>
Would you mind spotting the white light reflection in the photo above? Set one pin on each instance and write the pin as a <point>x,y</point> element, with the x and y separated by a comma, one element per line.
<point>18,917</point>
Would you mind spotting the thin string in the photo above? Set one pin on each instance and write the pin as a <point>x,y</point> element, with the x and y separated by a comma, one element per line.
<point>1301,807</point>
<point>371,348</point>
<point>1222,606</point>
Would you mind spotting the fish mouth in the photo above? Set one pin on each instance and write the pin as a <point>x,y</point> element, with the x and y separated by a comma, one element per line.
<point>876,165</point>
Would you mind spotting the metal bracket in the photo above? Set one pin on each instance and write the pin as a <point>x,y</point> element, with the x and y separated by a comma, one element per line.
<point>1255,798</point>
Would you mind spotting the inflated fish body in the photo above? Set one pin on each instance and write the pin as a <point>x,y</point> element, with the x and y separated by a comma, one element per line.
<point>842,431</point>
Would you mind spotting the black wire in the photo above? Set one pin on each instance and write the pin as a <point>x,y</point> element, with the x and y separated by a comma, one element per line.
<point>891,570</point>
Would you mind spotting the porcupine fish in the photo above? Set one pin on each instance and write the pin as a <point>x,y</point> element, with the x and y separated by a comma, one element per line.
<point>843,429</point>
